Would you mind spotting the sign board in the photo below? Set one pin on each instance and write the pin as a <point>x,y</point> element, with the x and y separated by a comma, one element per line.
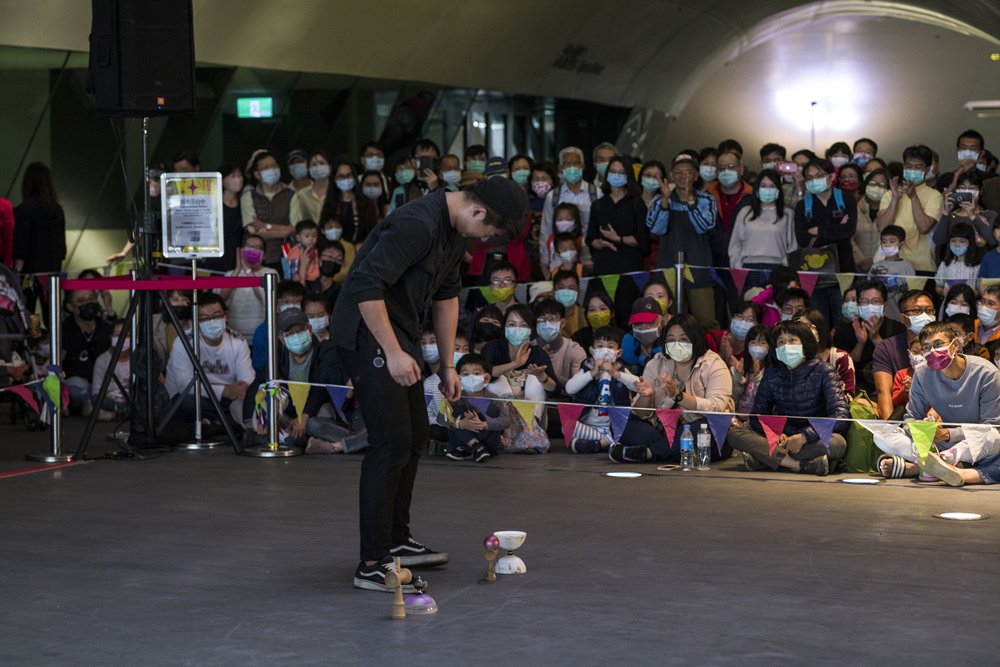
<point>191,205</point>
<point>254,107</point>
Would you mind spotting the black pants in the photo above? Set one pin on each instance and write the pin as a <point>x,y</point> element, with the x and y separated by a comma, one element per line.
<point>398,431</point>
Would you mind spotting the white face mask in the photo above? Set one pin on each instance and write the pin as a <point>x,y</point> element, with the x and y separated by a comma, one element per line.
<point>680,351</point>
<point>605,354</point>
<point>473,383</point>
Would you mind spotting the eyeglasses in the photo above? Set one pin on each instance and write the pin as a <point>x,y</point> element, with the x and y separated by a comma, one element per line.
<point>910,312</point>
<point>209,318</point>
<point>549,318</point>
<point>745,318</point>
<point>502,282</point>
<point>989,304</point>
<point>871,302</point>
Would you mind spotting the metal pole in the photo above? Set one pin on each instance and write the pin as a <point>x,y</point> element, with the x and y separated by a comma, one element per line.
<point>55,454</point>
<point>272,450</point>
<point>679,267</point>
<point>144,255</point>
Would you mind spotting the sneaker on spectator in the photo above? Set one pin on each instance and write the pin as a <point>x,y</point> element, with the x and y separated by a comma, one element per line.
<point>580,446</point>
<point>479,453</point>
<point>819,466</point>
<point>414,554</point>
<point>944,471</point>
<point>620,453</point>
<point>750,463</point>
<point>372,577</point>
<point>458,454</point>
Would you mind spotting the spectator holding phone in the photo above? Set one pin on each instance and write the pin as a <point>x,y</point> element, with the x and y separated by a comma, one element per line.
<point>914,206</point>
<point>962,205</point>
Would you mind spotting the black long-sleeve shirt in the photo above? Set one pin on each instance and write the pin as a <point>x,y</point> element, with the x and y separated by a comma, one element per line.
<point>831,226</point>
<point>627,217</point>
<point>411,258</point>
<point>39,238</point>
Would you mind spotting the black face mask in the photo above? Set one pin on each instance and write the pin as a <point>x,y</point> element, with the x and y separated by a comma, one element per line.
<point>89,311</point>
<point>182,312</point>
<point>487,331</point>
<point>329,269</point>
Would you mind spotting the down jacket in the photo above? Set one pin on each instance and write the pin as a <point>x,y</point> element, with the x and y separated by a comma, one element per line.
<point>812,390</point>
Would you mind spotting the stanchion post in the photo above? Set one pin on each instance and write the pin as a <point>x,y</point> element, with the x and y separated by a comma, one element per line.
<point>55,454</point>
<point>679,268</point>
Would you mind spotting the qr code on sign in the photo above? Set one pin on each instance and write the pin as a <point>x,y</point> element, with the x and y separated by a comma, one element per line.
<point>195,237</point>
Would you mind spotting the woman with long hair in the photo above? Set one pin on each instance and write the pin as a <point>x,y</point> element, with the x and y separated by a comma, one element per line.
<point>39,232</point>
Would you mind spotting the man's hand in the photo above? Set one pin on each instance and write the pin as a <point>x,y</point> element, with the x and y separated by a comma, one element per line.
<point>794,443</point>
<point>235,391</point>
<point>451,385</point>
<point>895,188</point>
<point>430,178</point>
<point>942,434</point>
<point>298,426</point>
<point>403,368</point>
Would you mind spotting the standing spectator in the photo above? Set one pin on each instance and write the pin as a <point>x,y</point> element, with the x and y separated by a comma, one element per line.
<point>266,206</point>
<point>961,259</point>
<point>297,161</point>
<point>866,236</point>
<point>763,233</point>
<point>572,190</point>
<point>39,233</point>
<point>232,219</point>
<point>618,237</point>
<point>308,202</point>
<point>914,206</point>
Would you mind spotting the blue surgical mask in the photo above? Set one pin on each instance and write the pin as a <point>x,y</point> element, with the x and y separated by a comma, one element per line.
<point>478,166</point>
<point>212,329</point>
<point>372,191</point>
<point>967,154</point>
<point>472,383</point>
<point>915,176</point>
<point>572,175</point>
<point>451,176</point>
<point>957,250</point>
<point>871,310</point>
<point>650,183</point>
<point>517,336</point>
<point>817,185</point>
<point>374,163</point>
<point>286,306</point>
<point>757,352</point>
<point>270,176</point>
<point>617,180</point>
<point>862,159</point>
<point>346,184</point>
<point>987,316</point>
<point>298,343</point>
<point>768,195</point>
<point>456,357</point>
<point>299,170</point>
<point>430,353</point>
<point>850,310</point>
<point>566,297</point>
<point>319,324</point>
<point>319,171</point>
<point>740,328</point>
<point>520,176</point>
<point>707,172</point>
<point>790,355</point>
<point>602,168</point>
<point>548,331</point>
<point>404,176</point>
<point>728,178</point>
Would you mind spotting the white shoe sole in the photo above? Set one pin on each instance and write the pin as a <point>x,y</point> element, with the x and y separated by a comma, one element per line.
<point>375,586</point>
<point>935,466</point>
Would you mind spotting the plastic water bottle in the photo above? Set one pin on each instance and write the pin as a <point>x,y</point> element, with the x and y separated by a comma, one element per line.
<point>687,449</point>
<point>704,448</point>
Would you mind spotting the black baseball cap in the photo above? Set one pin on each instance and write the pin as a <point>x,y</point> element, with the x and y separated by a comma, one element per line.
<point>503,196</point>
<point>289,317</point>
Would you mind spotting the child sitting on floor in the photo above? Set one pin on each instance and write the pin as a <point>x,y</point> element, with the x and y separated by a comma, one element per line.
<point>475,430</point>
<point>602,381</point>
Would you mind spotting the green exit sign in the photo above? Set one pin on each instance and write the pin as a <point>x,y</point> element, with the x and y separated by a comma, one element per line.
<point>254,107</point>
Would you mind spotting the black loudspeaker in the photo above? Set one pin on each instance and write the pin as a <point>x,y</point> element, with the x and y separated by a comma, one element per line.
<point>142,57</point>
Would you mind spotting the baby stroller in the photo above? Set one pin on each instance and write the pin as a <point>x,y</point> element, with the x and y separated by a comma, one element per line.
<point>16,349</point>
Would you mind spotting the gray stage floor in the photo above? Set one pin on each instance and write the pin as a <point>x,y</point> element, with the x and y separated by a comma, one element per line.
<point>210,558</point>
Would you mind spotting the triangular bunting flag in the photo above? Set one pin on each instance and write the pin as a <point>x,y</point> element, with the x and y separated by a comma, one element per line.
<point>26,395</point>
<point>669,420</point>
<point>671,277</point>
<point>299,394</point>
<point>640,279</point>
<point>923,437</point>
<point>808,281</point>
<point>569,414</point>
<point>488,295</point>
<point>527,411</point>
<point>52,388</point>
<point>719,424</point>
<point>824,429</point>
<point>338,395</point>
<point>773,427</point>
<point>688,276</point>
<point>716,278</point>
<point>619,419</point>
<point>446,411</point>
<point>480,404</point>
<point>739,277</point>
<point>611,284</point>
<point>427,397</point>
<point>845,280</point>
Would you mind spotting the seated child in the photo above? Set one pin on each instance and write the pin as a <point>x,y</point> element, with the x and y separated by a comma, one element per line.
<point>302,259</point>
<point>748,371</point>
<point>965,328</point>
<point>782,278</point>
<point>115,404</point>
<point>566,219</point>
<point>565,254</point>
<point>475,431</point>
<point>888,264</point>
<point>566,355</point>
<point>432,382</point>
<point>602,381</point>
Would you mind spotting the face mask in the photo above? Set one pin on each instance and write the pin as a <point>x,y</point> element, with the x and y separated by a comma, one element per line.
<point>487,331</point>
<point>182,312</point>
<point>456,357</point>
<point>939,359</point>
<point>707,172</point>
<point>790,355</point>
<point>270,176</point>
<point>862,159</point>
<point>768,195</point>
<point>869,311</point>
<point>520,176</point>
<point>473,383</point>
<point>617,180</point>
<point>568,256</point>
<point>981,167</point>
<point>319,324</point>
<point>740,328</point>
<point>502,294</point>
<point>987,316</point>
<point>212,329</point>
<point>548,331</point>
<point>127,345</point>
<point>565,226</point>
<point>605,354</point>
<point>957,250</point>
<point>728,178</point>
<point>918,322</point>
<point>298,343</point>
<point>848,186</point>
<point>566,297</point>
<point>915,176</point>
<point>890,250</point>
<point>973,193</point>
<point>541,188</point>
<point>374,163</point>
<point>785,317</point>
<point>850,310</point>
<point>404,176</point>
<point>285,306</point>
<point>817,185</point>
<point>839,161</point>
<point>967,154</point>
<point>645,336</point>
<point>602,168</point>
<point>430,353</point>
<point>664,304</point>
<point>572,175</point>
<point>478,166</point>
<point>372,191</point>
<point>875,192</point>
<point>954,308</point>
<point>769,165</point>
<point>917,361</point>
<point>650,184</point>
<point>299,170</point>
<point>451,177</point>
<point>252,256</point>
<point>345,184</point>
<point>89,312</point>
<point>599,319</point>
<point>329,269</point>
<point>757,352</point>
<point>517,336</point>
<point>680,352</point>
<point>333,233</point>
<point>233,184</point>
<point>318,172</point>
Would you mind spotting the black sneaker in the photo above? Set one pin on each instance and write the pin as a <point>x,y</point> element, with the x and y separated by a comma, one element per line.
<point>581,446</point>
<point>479,454</point>
<point>620,453</point>
<point>819,466</point>
<point>750,463</point>
<point>458,455</point>
<point>414,554</point>
<point>372,577</point>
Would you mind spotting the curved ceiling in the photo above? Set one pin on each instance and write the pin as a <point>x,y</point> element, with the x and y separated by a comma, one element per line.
<point>649,53</point>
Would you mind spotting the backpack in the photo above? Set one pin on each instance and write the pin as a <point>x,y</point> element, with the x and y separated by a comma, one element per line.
<point>838,200</point>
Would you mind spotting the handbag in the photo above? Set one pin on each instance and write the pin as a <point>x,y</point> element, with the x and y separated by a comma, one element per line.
<point>862,453</point>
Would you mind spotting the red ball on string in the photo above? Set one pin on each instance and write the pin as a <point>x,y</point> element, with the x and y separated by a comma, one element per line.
<point>491,542</point>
